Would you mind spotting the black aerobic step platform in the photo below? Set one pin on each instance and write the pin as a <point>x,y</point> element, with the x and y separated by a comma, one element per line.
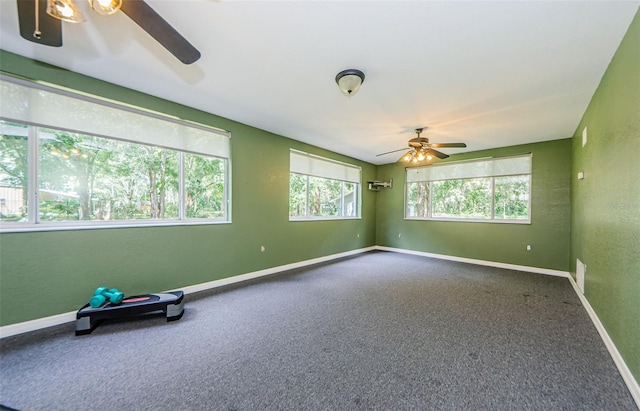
<point>170,303</point>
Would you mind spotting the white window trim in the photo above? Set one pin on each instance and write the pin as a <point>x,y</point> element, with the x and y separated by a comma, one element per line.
<point>349,178</point>
<point>33,225</point>
<point>101,225</point>
<point>91,98</point>
<point>492,220</point>
<point>316,166</point>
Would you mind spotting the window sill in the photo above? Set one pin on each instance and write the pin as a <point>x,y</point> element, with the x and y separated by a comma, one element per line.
<point>25,228</point>
<point>470,220</point>
<point>323,218</point>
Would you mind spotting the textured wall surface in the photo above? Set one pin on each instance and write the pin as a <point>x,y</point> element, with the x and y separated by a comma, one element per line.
<point>596,219</point>
<point>548,233</point>
<point>47,273</point>
<point>606,203</point>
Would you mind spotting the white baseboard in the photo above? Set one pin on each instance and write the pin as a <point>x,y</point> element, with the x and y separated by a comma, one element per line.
<point>628,378</point>
<point>632,384</point>
<point>37,324</point>
<point>269,271</point>
<point>525,268</point>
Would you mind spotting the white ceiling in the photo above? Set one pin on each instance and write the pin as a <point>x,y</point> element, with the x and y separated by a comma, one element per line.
<point>487,73</point>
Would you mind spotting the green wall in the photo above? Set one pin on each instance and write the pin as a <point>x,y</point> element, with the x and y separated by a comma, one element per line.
<point>606,204</point>
<point>547,234</point>
<point>47,273</point>
<point>596,219</point>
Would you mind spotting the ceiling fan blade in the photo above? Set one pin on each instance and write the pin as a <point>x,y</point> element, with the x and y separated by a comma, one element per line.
<point>437,153</point>
<point>158,28</point>
<point>389,152</point>
<point>445,145</point>
<point>45,30</point>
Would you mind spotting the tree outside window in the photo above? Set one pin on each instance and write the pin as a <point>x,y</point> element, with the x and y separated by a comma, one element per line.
<point>88,178</point>
<point>493,190</point>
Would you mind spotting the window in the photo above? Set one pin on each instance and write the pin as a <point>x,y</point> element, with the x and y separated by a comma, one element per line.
<point>67,161</point>
<point>320,188</point>
<point>497,190</point>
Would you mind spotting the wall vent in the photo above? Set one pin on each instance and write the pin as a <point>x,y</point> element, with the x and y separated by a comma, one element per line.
<point>581,269</point>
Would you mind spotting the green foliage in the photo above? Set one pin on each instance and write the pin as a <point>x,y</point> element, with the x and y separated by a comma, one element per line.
<point>62,210</point>
<point>13,170</point>
<point>84,177</point>
<point>204,186</point>
<point>297,195</point>
<point>13,160</point>
<point>69,164</point>
<point>469,198</point>
<point>321,197</point>
<point>512,197</point>
<point>500,198</point>
<point>418,200</point>
<point>324,197</point>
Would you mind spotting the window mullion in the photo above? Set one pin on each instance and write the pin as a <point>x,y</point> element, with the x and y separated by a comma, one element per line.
<point>307,209</point>
<point>32,175</point>
<point>227,190</point>
<point>430,202</point>
<point>529,198</point>
<point>515,171</point>
<point>342,199</point>
<point>493,198</point>
<point>358,199</point>
<point>181,188</point>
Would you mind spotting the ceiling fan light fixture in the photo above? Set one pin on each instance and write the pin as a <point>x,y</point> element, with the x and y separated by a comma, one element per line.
<point>420,149</point>
<point>65,10</point>
<point>105,7</point>
<point>417,156</point>
<point>349,81</point>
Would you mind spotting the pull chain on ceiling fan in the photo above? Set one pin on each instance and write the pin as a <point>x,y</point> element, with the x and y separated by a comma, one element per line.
<point>421,149</point>
<point>40,22</point>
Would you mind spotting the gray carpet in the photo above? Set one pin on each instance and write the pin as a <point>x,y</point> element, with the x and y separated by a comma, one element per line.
<point>381,331</point>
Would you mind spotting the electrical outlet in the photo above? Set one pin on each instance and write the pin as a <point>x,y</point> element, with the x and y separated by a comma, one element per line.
<point>262,249</point>
<point>528,247</point>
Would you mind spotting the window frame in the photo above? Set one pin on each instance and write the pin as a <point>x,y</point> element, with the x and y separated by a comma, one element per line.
<point>33,223</point>
<point>492,219</point>
<point>357,189</point>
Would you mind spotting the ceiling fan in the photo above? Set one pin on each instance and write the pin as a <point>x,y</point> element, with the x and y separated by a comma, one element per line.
<point>421,149</point>
<point>40,22</point>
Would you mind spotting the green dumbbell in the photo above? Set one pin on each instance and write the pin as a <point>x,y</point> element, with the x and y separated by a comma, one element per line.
<point>101,295</point>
